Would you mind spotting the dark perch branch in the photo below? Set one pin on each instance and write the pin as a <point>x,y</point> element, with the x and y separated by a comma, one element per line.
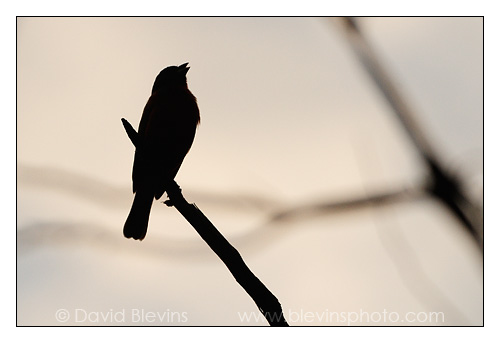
<point>267,303</point>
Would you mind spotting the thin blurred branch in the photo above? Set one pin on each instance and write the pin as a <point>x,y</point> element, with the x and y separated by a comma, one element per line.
<point>267,303</point>
<point>353,204</point>
<point>444,186</point>
<point>103,193</point>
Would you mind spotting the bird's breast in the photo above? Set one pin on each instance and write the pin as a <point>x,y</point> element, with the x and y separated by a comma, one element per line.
<point>174,116</point>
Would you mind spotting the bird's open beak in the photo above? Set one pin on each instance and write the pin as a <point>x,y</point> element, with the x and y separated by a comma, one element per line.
<point>183,68</point>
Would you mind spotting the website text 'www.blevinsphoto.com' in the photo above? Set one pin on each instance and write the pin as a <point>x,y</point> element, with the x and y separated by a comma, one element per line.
<point>350,318</point>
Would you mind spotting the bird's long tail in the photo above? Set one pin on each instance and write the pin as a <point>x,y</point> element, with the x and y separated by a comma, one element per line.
<point>137,222</point>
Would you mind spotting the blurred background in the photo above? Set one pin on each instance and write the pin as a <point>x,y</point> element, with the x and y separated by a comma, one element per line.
<point>294,137</point>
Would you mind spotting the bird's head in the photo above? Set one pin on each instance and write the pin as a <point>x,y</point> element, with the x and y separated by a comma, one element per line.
<point>173,76</point>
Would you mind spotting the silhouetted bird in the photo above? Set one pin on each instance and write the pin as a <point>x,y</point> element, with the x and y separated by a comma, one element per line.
<point>166,133</point>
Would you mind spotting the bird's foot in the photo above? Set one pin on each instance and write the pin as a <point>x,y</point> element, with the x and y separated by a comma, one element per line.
<point>169,202</point>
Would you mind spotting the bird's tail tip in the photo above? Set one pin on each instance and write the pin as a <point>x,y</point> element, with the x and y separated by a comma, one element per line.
<point>131,231</point>
<point>136,224</point>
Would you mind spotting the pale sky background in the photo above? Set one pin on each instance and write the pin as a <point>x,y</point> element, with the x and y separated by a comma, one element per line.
<point>289,118</point>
